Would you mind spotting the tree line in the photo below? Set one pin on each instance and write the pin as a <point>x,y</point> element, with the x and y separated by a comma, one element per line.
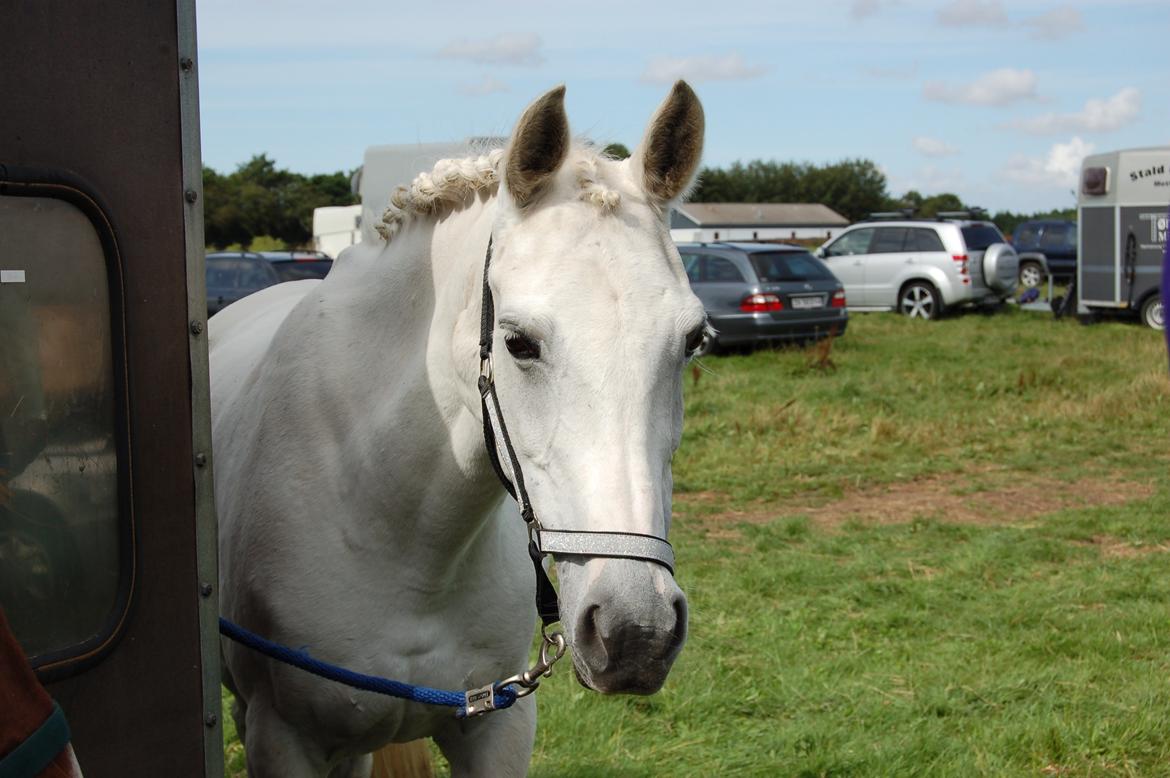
<point>259,204</point>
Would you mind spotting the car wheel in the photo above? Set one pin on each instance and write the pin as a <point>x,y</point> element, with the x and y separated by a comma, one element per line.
<point>919,300</point>
<point>1154,312</point>
<point>1031,275</point>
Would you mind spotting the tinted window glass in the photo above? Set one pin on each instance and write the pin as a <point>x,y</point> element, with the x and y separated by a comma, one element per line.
<point>295,271</point>
<point>888,240</point>
<point>980,236</point>
<point>856,242</point>
<point>1054,237</point>
<point>256,273</point>
<point>691,263</point>
<point>1027,236</point>
<point>223,272</point>
<point>720,269</point>
<point>789,266</point>
<point>924,240</point>
<point>60,562</point>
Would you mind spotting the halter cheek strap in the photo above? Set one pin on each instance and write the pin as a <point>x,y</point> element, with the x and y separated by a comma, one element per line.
<point>542,541</point>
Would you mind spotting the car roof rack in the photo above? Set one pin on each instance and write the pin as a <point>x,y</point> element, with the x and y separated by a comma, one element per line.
<point>899,215</point>
<point>974,212</point>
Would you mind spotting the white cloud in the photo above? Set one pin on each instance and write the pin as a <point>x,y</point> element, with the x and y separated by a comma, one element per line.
<point>485,86</point>
<point>727,68</point>
<point>972,13</point>
<point>502,49</point>
<point>1060,167</point>
<point>999,87</point>
<point>1097,116</point>
<point>1057,24</point>
<point>933,147</point>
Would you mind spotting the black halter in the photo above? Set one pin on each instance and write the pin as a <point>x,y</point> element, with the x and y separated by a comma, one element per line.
<point>542,541</point>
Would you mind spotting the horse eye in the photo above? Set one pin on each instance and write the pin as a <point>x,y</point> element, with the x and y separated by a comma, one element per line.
<point>522,346</point>
<point>695,338</point>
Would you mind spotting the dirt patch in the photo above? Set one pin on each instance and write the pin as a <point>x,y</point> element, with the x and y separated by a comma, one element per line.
<point>1115,548</point>
<point>948,499</point>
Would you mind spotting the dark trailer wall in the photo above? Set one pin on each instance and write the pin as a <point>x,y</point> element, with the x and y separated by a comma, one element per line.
<point>1122,210</point>
<point>103,354</point>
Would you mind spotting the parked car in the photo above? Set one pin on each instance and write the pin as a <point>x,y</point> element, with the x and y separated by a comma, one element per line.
<point>296,265</point>
<point>761,293</point>
<point>1046,246</point>
<point>922,267</point>
<point>233,275</point>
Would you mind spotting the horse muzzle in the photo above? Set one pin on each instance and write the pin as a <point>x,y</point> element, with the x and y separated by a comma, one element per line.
<point>625,626</point>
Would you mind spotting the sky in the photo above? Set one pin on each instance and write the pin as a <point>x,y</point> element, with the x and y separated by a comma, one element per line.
<point>996,101</point>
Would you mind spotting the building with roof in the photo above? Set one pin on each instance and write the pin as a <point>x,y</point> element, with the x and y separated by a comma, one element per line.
<point>707,222</point>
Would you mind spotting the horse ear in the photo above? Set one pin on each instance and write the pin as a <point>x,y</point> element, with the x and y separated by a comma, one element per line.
<point>539,145</point>
<point>670,152</point>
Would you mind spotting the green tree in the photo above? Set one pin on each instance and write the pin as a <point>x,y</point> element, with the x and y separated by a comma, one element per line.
<point>852,187</point>
<point>616,151</point>
<point>260,199</point>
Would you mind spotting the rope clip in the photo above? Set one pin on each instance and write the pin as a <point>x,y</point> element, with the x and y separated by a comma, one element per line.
<point>552,648</point>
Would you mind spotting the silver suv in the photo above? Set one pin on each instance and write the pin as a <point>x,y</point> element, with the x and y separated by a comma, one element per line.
<point>921,267</point>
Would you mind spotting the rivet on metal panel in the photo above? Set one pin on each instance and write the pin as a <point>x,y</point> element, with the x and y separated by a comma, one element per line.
<point>191,195</point>
<point>200,460</point>
<point>210,719</point>
<point>196,327</point>
<point>205,589</point>
<point>186,63</point>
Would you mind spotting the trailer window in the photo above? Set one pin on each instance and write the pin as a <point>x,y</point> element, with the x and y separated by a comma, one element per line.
<point>64,526</point>
<point>1095,181</point>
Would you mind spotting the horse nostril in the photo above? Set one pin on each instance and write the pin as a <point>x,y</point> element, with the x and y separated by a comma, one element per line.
<point>588,629</point>
<point>680,617</point>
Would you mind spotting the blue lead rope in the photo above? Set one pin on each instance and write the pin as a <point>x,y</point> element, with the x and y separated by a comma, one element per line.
<point>504,695</point>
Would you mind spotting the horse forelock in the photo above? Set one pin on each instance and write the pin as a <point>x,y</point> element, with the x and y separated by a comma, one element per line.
<point>451,184</point>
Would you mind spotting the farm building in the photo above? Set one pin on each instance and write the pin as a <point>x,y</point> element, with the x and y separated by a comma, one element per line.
<point>754,221</point>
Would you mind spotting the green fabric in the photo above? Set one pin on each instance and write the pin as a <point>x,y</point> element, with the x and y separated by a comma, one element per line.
<point>42,747</point>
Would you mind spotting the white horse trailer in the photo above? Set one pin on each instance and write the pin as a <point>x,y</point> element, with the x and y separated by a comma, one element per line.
<point>1122,210</point>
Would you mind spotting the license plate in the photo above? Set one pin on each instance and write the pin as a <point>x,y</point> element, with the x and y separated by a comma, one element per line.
<point>803,303</point>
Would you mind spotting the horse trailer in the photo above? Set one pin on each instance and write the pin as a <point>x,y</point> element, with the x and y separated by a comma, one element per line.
<point>107,524</point>
<point>1122,209</point>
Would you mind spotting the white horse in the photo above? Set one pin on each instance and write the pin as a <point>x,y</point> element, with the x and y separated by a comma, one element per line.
<point>360,518</point>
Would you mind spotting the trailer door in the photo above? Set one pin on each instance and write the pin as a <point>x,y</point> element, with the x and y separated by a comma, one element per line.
<point>107,533</point>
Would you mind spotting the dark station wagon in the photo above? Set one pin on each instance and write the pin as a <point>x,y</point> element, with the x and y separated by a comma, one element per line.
<point>764,293</point>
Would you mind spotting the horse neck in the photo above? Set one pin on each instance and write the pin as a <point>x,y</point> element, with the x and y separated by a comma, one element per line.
<point>421,297</point>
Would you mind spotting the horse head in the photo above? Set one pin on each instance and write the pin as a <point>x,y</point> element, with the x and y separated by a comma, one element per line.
<point>595,319</point>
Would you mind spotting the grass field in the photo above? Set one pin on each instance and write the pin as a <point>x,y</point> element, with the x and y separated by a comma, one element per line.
<point>944,555</point>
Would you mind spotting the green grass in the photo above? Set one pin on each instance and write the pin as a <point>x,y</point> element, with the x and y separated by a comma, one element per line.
<point>1032,642</point>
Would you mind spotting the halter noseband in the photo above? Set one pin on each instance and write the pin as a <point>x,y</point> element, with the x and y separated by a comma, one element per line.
<point>542,541</point>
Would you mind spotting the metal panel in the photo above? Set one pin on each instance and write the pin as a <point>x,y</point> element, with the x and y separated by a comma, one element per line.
<point>1147,225</point>
<point>99,89</point>
<point>1097,266</point>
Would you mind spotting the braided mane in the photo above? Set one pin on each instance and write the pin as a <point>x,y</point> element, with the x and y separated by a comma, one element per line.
<point>452,182</point>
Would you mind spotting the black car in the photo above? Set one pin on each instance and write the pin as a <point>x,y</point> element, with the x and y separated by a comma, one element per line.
<point>295,265</point>
<point>233,275</point>
<point>764,292</point>
<point>1046,247</point>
